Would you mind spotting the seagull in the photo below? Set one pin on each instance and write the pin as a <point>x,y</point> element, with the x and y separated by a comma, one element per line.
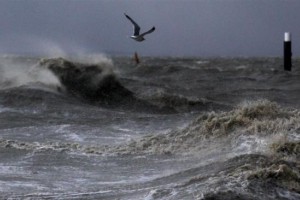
<point>136,30</point>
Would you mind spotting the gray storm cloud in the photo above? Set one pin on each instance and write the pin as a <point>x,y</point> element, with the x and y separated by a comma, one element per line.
<point>184,28</point>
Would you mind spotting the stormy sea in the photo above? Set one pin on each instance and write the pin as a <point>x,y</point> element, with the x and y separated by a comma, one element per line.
<point>99,127</point>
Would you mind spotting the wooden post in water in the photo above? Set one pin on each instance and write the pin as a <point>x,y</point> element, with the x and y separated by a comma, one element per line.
<point>136,58</point>
<point>287,52</point>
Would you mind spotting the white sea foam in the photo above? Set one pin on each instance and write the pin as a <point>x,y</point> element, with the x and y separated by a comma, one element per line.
<point>201,62</point>
<point>247,144</point>
<point>4,109</point>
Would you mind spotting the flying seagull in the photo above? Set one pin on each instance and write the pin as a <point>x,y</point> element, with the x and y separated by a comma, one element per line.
<point>136,30</point>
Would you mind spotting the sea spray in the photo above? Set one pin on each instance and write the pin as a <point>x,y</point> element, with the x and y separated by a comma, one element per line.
<point>16,74</point>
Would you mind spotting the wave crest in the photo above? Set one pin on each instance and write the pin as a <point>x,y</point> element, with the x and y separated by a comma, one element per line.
<point>95,82</point>
<point>260,118</point>
<point>17,72</point>
<point>206,132</point>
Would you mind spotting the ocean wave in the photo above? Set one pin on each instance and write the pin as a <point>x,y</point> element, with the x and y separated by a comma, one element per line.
<point>97,83</point>
<point>259,125</point>
<point>94,82</point>
<point>28,97</point>
<point>183,103</point>
<point>248,176</point>
<point>89,80</point>
<point>50,146</point>
<point>20,72</point>
<point>260,118</point>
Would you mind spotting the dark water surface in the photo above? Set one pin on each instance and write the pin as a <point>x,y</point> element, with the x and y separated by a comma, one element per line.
<point>168,128</point>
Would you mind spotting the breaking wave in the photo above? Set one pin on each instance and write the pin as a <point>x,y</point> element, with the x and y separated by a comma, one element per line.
<point>89,79</point>
<point>249,152</point>
<point>259,119</point>
<point>255,122</point>
<point>19,72</point>
<point>95,82</point>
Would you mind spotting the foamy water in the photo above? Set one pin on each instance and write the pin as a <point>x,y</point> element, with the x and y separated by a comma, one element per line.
<point>103,128</point>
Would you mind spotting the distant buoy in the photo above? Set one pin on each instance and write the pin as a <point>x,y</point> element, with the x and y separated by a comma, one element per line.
<point>287,52</point>
<point>136,58</point>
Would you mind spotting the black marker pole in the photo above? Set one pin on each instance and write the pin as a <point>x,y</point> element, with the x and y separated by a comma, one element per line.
<point>287,52</point>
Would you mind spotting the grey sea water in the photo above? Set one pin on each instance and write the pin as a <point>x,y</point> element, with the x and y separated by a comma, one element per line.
<point>167,128</point>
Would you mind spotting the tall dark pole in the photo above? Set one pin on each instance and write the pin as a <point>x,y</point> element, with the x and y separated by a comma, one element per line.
<point>287,48</point>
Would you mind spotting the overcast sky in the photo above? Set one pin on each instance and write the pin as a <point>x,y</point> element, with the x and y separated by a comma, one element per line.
<point>183,27</point>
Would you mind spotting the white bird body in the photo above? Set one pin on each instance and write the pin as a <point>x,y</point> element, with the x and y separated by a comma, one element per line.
<point>137,38</point>
<point>136,30</point>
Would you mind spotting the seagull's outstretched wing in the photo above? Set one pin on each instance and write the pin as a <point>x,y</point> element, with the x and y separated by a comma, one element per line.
<point>147,32</point>
<point>136,28</point>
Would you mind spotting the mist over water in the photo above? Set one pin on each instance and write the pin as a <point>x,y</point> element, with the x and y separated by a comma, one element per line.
<point>95,127</point>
